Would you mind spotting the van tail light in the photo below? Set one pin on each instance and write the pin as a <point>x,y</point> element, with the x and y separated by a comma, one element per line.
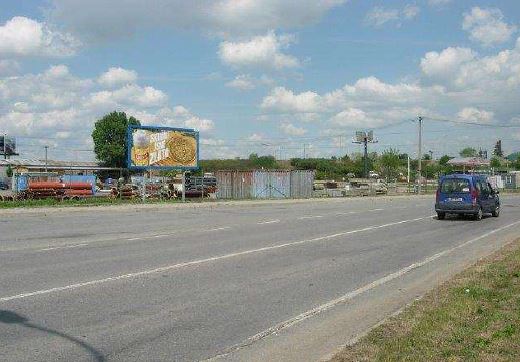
<point>438,195</point>
<point>474,196</point>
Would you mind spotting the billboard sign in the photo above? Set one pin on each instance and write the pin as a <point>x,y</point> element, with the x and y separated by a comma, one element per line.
<point>162,148</point>
<point>7,145</point>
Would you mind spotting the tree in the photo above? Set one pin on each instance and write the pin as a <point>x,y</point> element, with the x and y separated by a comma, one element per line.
<point>389,163</point>
<point>497,151</point>
<point>9,171</point>
<point>495,162</point>
<point>109,138</point>
<point>468,152</point>
<point>444,160</point>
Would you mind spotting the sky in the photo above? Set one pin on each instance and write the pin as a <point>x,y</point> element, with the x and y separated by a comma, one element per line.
<point>277,77</point>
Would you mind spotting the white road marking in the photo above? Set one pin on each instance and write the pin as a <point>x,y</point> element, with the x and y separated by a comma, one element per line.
<point>310,217</point>
<point>269,222</point>
<point>63,247</point>
<point>221,228</point>
<point>203,261</point>
<point>172,234</point>
<point>351,295</point>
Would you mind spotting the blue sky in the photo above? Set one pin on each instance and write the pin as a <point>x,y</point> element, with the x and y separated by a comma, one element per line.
<point>263,76</point>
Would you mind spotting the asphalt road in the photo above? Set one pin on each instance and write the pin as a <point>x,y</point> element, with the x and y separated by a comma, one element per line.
<point>285,281</point>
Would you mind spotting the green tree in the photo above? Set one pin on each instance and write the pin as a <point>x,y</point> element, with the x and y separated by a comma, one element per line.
<point>109,138</point>
<point>495,162</point>
<point>468,152</point>
<point>444,160</point>
<point>9,171</point>
<point>267,162</point>
<point>389,163</point>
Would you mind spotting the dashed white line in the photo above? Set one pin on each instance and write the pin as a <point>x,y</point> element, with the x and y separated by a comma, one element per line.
<point>268,222</point>
<point>351,295</point>
<point>221,228</point>
<point>63,247</point>
<point>310,217</point>
<point>203,261</point>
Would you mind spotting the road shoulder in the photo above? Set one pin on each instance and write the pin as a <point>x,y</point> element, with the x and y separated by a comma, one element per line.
<point>324,335</point>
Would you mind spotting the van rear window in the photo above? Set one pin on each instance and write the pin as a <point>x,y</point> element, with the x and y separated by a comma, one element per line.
<point>452,185</point>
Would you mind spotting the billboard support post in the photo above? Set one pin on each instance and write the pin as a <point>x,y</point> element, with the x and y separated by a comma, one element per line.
<point>183,186</point>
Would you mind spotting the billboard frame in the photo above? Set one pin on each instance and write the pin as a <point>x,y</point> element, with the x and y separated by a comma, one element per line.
<point>4,150</point>
<point>130,142</point>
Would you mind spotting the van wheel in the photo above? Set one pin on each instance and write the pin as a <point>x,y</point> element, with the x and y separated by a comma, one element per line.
<point>478,215</point>
<point>496,212</point>
<point>441,215</point>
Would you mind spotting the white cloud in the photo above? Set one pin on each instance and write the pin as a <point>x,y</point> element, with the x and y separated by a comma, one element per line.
<point>438,2</point>
<point>291,130</point>
<point>22,36</point>
<point>411,11</point>
<point>456,83</point>
<point>242,82</point>
<point>56,102</point>
<point>475,115</point>
<point>283,100</point>
<point>255,137</point>
<point>354,117</point>
<point>9,67</point>
<point>379,16</point>
<point>102,20</point>
<point>487,26</point>
<point>260,51</point>
<point>200,124</point>
<point>117,76</point>
<point>129,94</point>
<point>442,65</point>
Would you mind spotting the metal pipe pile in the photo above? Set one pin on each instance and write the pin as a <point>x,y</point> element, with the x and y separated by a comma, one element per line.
<point>45,189</point>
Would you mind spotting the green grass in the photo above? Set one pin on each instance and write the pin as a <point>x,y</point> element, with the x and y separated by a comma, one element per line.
<point>473,317</point>
<point>92,201</point>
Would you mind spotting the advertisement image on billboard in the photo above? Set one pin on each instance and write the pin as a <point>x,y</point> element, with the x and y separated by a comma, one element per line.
<point>162,148</point>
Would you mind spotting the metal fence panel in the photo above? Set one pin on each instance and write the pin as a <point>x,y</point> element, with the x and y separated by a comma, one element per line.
<point>272,184</point>
<point>234,184</point>
<point>263,184</point>
<point>302,182</point>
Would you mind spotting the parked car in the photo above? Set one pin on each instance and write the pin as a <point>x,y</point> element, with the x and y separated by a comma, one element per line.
<point>4,186</point>
<point>466,195</point>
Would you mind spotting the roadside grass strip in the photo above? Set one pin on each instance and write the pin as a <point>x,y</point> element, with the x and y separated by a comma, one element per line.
<point>475,316</point>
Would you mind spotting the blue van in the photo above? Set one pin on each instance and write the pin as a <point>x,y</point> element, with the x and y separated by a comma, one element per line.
<point>466,194</point>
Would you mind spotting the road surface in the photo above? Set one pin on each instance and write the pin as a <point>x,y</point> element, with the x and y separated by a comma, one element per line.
<point>284,281</point>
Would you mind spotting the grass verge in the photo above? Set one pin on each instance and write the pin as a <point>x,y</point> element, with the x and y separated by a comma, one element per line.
<point>89,201</point>
<point>473,317</point>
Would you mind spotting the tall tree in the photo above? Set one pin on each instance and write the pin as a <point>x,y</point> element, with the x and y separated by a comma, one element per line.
<point>389,163</point>
<point>109,138</point>
<point>498,149</point>
<point>468,152</point>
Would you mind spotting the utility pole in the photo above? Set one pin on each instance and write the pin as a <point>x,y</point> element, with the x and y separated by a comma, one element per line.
<point>46,149</point>
<point>364,137</point>
<point>419,157</point>
<point>5,149</point>
<point>408,175</point>
<point>304,151</point>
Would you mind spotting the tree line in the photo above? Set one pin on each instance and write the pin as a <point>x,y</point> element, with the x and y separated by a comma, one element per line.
<point>109,136</point>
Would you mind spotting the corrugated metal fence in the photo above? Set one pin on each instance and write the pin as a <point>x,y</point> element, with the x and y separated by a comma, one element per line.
<point>259,184</point>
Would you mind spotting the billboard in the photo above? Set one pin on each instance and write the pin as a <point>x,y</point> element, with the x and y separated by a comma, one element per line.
<point>162,148</point>
<point>7,145</point>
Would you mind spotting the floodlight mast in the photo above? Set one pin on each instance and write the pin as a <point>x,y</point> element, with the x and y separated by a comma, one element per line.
<point>365,137</point>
